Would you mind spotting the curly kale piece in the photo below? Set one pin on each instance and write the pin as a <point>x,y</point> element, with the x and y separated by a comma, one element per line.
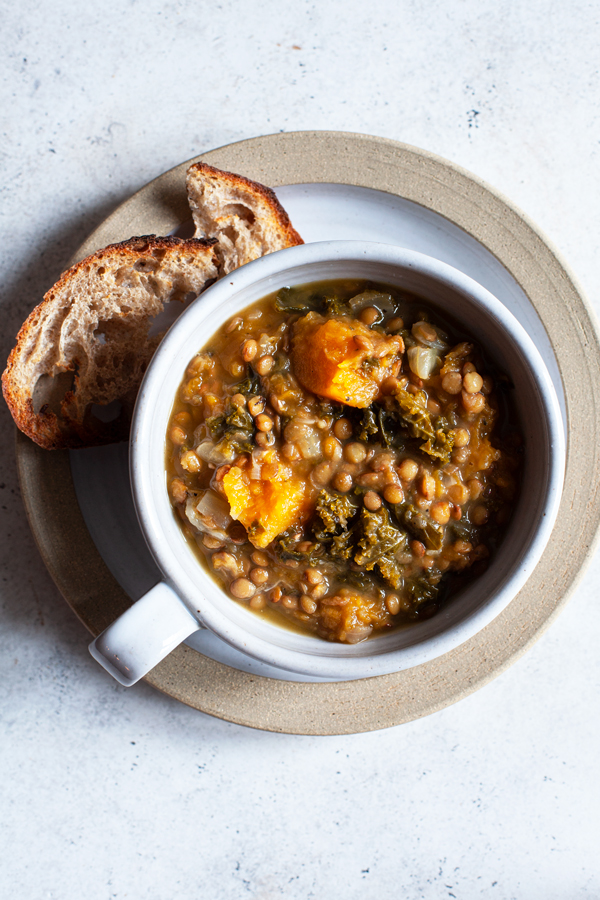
<point>379,537</point>
<point>334,522</point>
<point>291,300</point>
<point>287,548</point>
<point>420,525</point>
<point>368,538</point>
<point>249,385</point>
<point>235,419</point>
<point>233,432</point>
<point>435,433</point>
<point>335,306</point>
<point>367,426</point>
<point>420,591</point>
<point>335,512</point>
<point>391,571</point>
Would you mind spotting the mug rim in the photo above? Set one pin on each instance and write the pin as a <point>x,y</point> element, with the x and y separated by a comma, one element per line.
<point>355,662</point>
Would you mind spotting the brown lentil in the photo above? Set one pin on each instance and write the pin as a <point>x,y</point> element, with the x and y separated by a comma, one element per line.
<point>440,512</point>
<point>479,515</point>
<point>234,325</point>
<point>305,441</point>
<point>264,365</point>
<point>313,576</point>
<point>452,383</point>
<point>408,470</point>
<point>264,422</point>
<point>309,606</point>
<point>427,486</point>
<point>472,382</point>
<point>259,576</point>
<point>393,493</point>
<point>290,451</point>
<point>395,324</point>
<point>342,482</point>
<point>332,449</point>
<point>256,405</point>
<point>249,350</point>
<point>473,403</point>
<point>342,429</point>
<point>370,315</point>
<point>392,602</point>
<point>461,437</point>
<point>372,501</point>
<point>178,435</point>
<point>355,452</point>
<point>475,488</point>
<point>265,439</point>
<point>190,462</point>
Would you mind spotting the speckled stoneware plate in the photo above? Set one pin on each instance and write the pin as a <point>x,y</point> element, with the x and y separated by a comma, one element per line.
<point>337,185</point>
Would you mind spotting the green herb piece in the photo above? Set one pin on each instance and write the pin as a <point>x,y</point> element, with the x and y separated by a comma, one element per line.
<point>437,437</point>
<point>335,512</point>
<point>367,425</point>
<point>420,591</point>
<point>287,548</point>
<point>391,571</point>
<point>335,306</point>
<point>370,365</point>
<point>420,525</point>
<point>250,385</point>
<point>379,537</point>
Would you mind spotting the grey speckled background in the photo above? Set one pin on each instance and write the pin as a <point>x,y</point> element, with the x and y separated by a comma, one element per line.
<point>113,793</point>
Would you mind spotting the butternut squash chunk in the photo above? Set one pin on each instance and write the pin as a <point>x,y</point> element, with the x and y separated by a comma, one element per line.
<point>343,360</point>
<point>266,508</point>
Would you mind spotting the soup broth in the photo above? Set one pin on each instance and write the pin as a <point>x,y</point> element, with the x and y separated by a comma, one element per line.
<point>343,457</point>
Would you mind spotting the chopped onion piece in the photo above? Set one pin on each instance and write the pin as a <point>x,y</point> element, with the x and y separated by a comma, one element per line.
<point>422,361</point>
<point>209,513</point>
<point>211,453</point>
<point>429,335</point>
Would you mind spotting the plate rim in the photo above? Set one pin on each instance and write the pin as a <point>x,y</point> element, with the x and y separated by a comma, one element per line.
<point>382,701</point>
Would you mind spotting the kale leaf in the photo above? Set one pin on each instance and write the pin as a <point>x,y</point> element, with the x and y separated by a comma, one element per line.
<point>420,525</point>
<point>436,434</point>
<point>379,537</point>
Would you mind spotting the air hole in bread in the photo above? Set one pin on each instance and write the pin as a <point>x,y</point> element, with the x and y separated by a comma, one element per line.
<point>158,254</point>
<point>100,336</point>
<point>243,212</point>
<point>145,265</point>
<point>50,391</point>
<point>231,233</point>
<point>100,271</point>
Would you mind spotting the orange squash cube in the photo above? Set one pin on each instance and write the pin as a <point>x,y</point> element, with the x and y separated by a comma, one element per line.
<point>266,508</point>
<point>341,359</point>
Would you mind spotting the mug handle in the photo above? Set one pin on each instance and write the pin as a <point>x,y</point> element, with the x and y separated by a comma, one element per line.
<point>144,635</point>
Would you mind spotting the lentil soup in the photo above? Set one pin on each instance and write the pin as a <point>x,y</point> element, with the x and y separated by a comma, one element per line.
<point>342,457</point>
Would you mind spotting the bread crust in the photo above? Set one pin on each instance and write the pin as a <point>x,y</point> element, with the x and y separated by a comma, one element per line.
<point>244,216</point>
<point>92,326</point>
<point>73,425</point>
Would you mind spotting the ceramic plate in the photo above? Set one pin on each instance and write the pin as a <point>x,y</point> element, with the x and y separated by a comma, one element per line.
<point>337,186</point>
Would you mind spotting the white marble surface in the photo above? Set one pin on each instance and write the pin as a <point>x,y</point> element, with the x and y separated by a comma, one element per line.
<point>115,793</point>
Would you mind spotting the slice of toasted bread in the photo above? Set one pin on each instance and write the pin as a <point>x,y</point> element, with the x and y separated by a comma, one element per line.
<point>245,217</point>
<point>88,341</point>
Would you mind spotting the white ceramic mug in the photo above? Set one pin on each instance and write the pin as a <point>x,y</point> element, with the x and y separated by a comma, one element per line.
<point>189,598</point>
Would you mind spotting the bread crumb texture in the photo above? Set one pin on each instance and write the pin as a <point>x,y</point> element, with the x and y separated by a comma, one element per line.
<point>89,342</point>
<point>245,217</point>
